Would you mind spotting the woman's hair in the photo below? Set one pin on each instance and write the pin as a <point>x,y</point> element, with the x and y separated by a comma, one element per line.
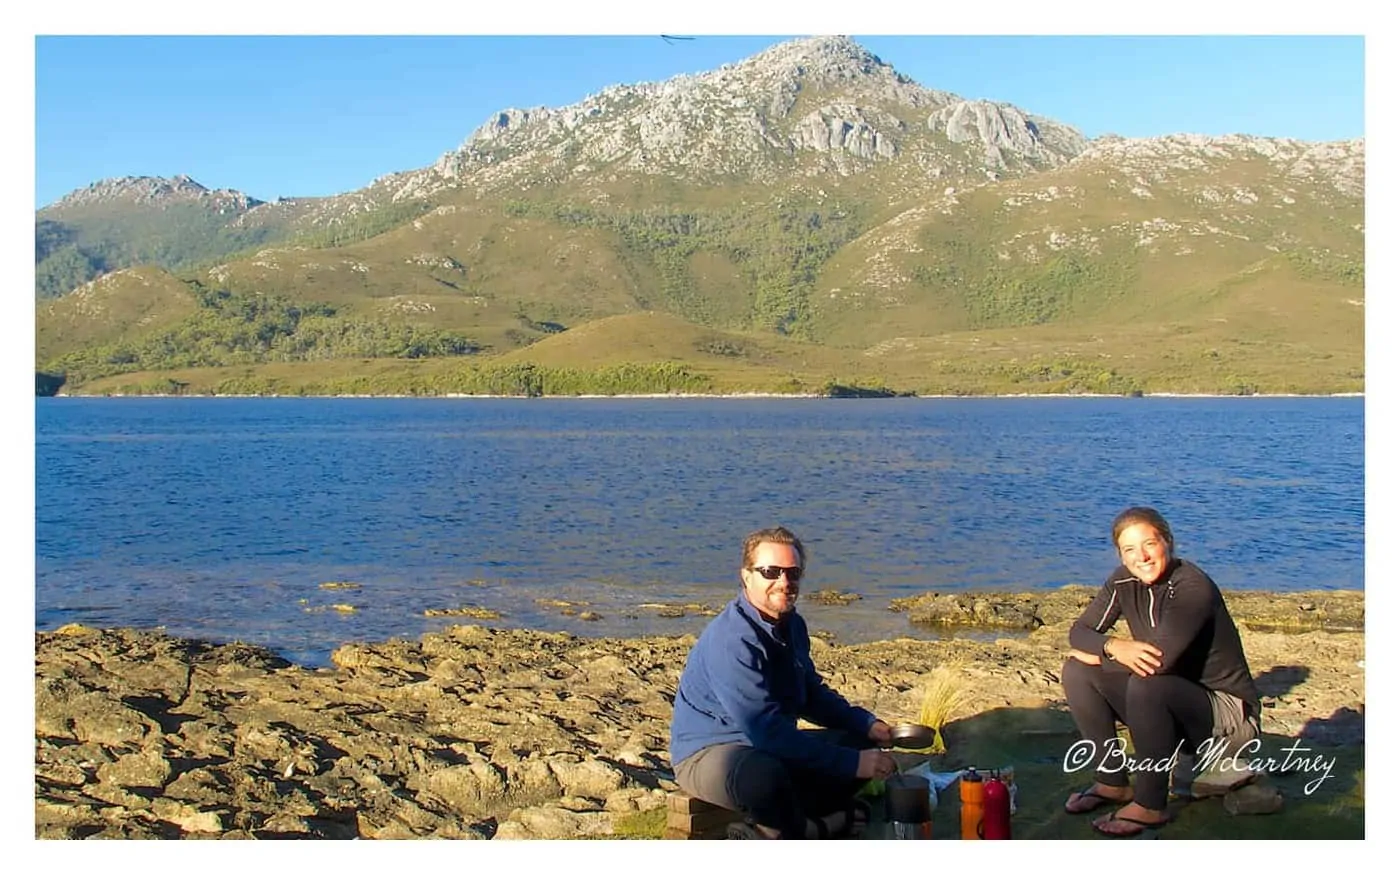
<point>1134,515</point>
<point>775,535</point>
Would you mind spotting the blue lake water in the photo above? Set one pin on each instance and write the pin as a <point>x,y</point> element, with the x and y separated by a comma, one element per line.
<point>221,518</point>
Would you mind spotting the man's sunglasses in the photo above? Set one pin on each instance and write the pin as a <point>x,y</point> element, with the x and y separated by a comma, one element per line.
<point>773,572</point>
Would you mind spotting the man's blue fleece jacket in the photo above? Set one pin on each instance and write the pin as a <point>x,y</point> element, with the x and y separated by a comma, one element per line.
<point>747,680</point>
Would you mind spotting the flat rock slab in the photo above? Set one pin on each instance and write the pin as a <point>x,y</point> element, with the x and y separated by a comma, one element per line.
<point>985,611</point>
<point>1328,611</point>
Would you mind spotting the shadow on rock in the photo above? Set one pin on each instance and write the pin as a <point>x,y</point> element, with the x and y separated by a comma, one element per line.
<point>1280,679</point>
<point>1346,726</point>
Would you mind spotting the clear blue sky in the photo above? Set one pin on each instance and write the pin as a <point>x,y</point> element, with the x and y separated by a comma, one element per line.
<point>302,115</point>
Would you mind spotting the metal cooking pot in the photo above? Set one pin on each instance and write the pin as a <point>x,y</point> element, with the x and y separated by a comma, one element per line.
<point>912,736</point>
<point>908,807</point>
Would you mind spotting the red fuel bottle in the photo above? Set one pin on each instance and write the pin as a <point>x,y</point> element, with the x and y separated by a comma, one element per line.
<point>996,809</point>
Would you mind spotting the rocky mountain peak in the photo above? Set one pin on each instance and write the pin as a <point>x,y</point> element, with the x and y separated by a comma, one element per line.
<point>811,105</point>
<point>819,58</point>
<point>833,66</point>
<point>829,61</point>
<point>154,190</point>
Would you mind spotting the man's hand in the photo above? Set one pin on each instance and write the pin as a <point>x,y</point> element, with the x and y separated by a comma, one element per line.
<point>881,733</point>
<point>875,764</point>
<point>1139,657</point>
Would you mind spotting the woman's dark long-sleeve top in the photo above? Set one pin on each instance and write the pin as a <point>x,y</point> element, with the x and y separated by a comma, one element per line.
<point>1184,616</point>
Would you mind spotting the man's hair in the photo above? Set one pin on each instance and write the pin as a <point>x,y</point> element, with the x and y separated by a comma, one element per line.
<point>775,535</point>
<point>1134,515</point>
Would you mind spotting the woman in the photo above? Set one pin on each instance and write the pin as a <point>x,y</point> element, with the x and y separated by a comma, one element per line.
<point>1180,680</point>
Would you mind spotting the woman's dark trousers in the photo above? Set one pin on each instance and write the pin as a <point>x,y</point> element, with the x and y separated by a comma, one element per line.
<point>1166,715</point>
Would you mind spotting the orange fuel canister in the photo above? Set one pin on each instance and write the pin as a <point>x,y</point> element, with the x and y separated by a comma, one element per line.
<point>971,791</point>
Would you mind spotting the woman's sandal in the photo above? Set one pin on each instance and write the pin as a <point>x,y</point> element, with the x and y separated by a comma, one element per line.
<point>1142,825</point>
<point>1088,792</point>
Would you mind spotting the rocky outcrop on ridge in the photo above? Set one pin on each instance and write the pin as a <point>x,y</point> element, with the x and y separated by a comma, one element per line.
<point>1007,135</point>
<point>1339,165</point>
<point>154,190</point>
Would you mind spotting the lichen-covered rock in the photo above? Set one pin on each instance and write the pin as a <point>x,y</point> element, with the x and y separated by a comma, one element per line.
<point>532,778</point>
<point>198,785</point>
<point>634,799</point>
<point>551,822</point>
<point>97,717</point>
<point>590,777</point>
<point>467,788</point>
<point>147,769</point>
<point>965,609</point>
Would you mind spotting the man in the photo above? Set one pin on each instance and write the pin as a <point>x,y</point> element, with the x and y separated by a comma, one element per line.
<point>734,736</point>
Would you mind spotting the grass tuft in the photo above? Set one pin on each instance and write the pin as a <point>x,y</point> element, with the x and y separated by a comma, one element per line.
<point>640,825</point>
<point>945,690</point>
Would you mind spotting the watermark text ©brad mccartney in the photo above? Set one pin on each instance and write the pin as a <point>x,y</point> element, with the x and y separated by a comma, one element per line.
<point>1213,753</point>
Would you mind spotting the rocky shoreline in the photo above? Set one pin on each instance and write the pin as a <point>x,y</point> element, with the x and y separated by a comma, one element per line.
<point>477,732</point>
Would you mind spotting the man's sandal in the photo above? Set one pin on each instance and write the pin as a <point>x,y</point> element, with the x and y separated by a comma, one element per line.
<point>846,823</point>
<point>857,818</point>
<point>742,830</point>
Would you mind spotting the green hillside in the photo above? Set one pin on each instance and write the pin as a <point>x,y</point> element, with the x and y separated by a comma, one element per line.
<point>862,233</point>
